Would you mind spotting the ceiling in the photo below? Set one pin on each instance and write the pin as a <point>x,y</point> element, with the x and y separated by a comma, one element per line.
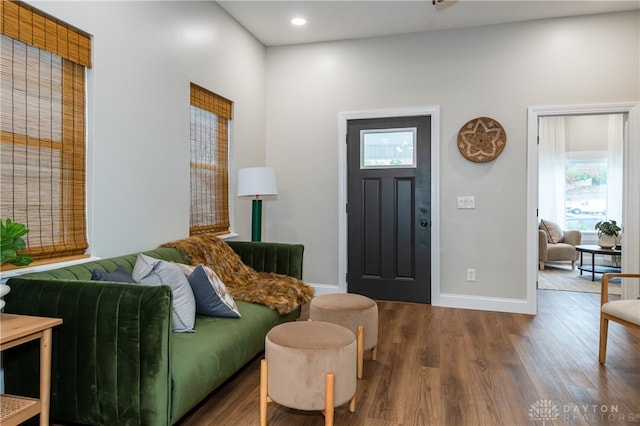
<point>269,21</point>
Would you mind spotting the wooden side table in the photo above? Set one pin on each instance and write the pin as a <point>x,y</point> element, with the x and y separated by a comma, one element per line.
<point>16,330</point>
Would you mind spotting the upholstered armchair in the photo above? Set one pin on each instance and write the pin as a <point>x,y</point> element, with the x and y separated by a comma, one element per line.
<point>625,312</point>
<point>556,245</point>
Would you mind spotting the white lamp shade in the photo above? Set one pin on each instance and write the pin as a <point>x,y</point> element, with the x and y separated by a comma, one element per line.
<point>256,181</point>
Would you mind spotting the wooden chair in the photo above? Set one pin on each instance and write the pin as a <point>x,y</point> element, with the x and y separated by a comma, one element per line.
<point>625,312</point>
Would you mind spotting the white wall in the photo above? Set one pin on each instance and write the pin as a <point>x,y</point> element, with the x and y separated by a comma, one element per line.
<point>496,71</point>
<point>145,55</point>
<point>286,105</point>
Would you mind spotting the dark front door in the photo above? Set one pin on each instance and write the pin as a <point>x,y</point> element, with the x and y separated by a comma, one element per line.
<point>389,208</point>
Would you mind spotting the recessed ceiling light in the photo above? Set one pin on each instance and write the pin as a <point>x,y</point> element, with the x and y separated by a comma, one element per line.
<point>298,22</point>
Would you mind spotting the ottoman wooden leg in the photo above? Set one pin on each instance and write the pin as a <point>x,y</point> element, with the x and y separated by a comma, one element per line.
<point>319,349</point>
<point>374,353</point>
<point>360,351</point>
<point>329,399</point>
<point>263,392</point>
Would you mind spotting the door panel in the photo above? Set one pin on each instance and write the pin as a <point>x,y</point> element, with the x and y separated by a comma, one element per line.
<point>389,210</point>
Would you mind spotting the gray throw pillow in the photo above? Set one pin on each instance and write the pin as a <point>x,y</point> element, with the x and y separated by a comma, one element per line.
<point>212,297</point>
<point>120,275</point>
<point>151,271</point>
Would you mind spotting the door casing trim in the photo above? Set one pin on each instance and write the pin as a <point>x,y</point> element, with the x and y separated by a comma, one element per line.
<point>343,118</point>
<point>631,189</point>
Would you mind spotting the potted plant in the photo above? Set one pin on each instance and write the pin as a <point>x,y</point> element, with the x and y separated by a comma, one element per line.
<point>11,242</point>
<point>608,230</point>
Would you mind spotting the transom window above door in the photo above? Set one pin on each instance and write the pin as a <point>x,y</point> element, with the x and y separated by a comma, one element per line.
<point>388,148</point>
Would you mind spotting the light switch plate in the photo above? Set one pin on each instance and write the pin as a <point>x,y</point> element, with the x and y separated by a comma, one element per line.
<point>467,202</point>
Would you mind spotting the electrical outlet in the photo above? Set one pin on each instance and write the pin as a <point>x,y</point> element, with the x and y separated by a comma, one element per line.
<point>471,274</point>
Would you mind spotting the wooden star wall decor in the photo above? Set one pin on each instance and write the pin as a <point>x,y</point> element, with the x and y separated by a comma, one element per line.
<point>481,140</point>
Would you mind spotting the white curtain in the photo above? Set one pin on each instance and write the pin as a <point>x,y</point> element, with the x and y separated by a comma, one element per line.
<point>614,167</point>
<point>551,176</point>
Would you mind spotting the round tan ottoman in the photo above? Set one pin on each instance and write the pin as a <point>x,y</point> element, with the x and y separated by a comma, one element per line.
<point>356,312</point>
<point>308,365</point>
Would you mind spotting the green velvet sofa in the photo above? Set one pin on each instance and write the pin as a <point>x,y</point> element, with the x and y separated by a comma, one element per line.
<point>115,360</point>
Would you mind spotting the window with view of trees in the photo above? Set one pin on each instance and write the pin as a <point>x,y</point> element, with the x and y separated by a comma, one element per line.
<point>580,170</point>
<point>586,193</point>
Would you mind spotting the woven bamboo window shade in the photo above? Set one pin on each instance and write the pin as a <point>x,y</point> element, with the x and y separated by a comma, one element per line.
<point>210,115</point>
<point>42,133</point>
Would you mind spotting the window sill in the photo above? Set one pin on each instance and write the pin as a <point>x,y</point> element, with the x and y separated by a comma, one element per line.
<point>5,275</point>
<point>228,236</point>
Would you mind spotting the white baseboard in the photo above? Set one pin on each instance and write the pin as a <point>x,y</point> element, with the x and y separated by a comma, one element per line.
<point>449,300</point>
<point>325,288</point>
<point>496,304</point>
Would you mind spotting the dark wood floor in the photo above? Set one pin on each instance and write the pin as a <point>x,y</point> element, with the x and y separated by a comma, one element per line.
<point>443,366</point>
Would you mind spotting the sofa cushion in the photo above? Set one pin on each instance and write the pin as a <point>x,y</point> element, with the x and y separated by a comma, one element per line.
<point>212,297</point>
<point>119,275</point>
<point>151,271</point>
<point>553,230</point>
<point>219,348</point>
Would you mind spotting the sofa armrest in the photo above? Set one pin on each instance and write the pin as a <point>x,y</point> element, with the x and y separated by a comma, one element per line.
<point>572,237</point>
<point>281,258</point>
<point>110,356</point>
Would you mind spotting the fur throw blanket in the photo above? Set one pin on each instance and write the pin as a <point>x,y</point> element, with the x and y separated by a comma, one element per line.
<point>279,292</point>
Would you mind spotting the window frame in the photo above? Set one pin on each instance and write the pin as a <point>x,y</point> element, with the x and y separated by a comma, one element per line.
<point>209,217</point>
<point>65,237</point>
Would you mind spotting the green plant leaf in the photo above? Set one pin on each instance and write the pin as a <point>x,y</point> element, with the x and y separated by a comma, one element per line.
<point>11,242</point>
<point>7,255</point>
<point>607,227</point>
<point>13,230</point>
<point>19,244</point>
<point>21,260</point>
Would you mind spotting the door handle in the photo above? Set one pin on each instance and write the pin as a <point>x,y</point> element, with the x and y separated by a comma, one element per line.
<point>424,223</point>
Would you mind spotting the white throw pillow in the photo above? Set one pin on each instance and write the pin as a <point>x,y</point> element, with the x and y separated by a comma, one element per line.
<point>151,271</point>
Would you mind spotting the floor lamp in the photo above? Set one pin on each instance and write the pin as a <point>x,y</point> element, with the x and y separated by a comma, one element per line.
<point>254,182</point>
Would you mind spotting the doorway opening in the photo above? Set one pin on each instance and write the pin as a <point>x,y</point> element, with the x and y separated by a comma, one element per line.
<point>580,168</point>
<point>630,184</point>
